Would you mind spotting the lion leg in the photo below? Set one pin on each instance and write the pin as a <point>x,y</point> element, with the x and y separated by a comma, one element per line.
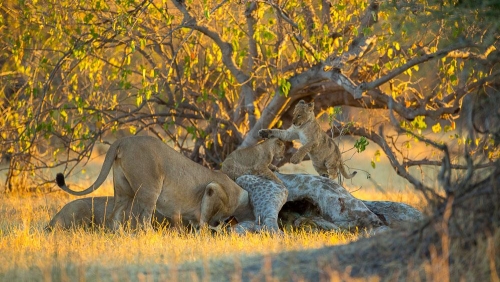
<point>267,173</point>
<point>273,168</point>
<point>145,217</point>
<point>122,200</point>
<point>297,157</point>
<point>336,166</point>
<point>302,152</point>
<point>146,203</point>
<point>333,172</point>
<point>321,170</point>
<point>116,218</point>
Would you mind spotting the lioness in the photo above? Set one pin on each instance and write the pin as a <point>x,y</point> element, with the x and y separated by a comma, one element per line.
<point>324,153</point>
<point>92,212</point>
<point>255,160</point>
<point>150,173</point>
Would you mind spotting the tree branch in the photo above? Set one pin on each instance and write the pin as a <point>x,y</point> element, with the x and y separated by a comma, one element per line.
<point>227,54</point>
<point>410,163</point>
<point>411,63</point>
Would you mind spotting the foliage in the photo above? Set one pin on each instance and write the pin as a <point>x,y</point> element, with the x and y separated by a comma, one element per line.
<point>361,144</point>
<point>207,75</point>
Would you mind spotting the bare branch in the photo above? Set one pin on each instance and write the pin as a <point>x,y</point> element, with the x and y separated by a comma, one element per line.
<point>297,35</point>
<point>410,163</point>
<point>400,169</point>
<point>411,63</point>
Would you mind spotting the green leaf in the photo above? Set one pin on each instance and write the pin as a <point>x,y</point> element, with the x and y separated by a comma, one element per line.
<point>285,86</point>
<point>419,123</point>
<point>361,144</point>
<point>436,128</point>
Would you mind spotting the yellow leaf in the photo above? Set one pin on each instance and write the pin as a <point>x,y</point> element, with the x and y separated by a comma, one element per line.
<point>390,53</point>
<point>377,156</point>
<point>436,128</point>
<point>396,45</point>
<point>219,140</point>
<point>336,42</point>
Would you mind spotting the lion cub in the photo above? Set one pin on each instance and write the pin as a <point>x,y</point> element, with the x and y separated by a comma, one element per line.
<point>322,150</point>
<point>255,160</point>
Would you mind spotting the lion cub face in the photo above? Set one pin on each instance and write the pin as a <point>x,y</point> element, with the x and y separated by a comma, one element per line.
<point>278,148</point>
<point>303,113</point>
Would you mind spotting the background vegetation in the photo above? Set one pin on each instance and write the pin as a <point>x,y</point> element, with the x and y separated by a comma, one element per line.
<point>207,75</point>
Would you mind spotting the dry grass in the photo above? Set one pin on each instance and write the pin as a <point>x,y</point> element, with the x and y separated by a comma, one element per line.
<point>25,245</point>
<point>29,253</point>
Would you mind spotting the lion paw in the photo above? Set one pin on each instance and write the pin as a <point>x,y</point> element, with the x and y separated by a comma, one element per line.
<point>265,133</point>
<point>295,159</point>
<point>274,169</point>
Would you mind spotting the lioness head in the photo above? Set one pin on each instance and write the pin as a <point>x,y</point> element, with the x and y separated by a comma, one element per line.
<point>303,113</point>
<point>214,205</point>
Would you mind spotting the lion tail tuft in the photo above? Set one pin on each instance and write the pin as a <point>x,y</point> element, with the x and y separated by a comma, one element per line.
<point>60,180</point>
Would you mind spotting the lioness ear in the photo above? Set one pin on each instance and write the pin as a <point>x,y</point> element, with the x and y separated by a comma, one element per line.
<point>214,189</point>
<point>302,102</point>
<point>214,200</point>
<point>311,105</point>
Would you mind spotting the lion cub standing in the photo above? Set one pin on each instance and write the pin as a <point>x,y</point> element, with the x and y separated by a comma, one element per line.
<point>255,160</point>
<point>322,150</point>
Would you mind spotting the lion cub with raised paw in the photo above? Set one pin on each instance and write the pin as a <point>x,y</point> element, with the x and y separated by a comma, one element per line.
<point>324,153</point>
<point>255,160</point>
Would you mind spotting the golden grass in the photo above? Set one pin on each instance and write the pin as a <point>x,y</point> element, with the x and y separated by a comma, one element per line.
<point>25,244</point>
<point>29,253</point>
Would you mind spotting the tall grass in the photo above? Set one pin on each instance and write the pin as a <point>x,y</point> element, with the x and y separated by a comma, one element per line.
<point>25,245</point>
<point>30,254</point>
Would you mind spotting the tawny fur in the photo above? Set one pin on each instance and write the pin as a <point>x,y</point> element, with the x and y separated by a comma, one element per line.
<point>93,213</point>
<point>324,153</point>
<point>255,160</point>
<point>153,175</point>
